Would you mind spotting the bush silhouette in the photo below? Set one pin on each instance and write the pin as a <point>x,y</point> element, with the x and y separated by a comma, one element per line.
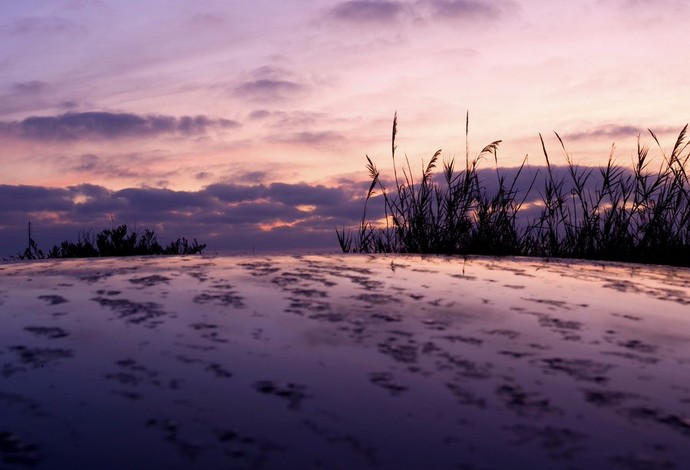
<point>112,242</point>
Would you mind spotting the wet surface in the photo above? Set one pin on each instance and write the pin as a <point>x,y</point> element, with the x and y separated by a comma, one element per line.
<point>343,362</point>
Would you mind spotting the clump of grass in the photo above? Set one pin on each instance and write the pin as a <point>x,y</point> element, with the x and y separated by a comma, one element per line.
<point>609,213</point>
<point>112,242</point>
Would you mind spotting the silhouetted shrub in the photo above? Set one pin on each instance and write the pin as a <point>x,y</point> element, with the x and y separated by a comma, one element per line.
<point>112,242</point>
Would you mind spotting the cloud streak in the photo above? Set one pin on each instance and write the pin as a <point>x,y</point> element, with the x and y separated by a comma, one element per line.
<point>466,9</point>
<point>388,11</point>
<point>367,10</point>
<point>36,25</point>
<point>266,88</point>
<point>100,125</point>
<point>312,138</point>
<point>29,88</point>
<point>616,132</point>
<point>93,164</point>
<point>270,83</point>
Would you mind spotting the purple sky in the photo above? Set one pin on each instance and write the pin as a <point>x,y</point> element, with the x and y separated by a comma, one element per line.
<point>245,124</point>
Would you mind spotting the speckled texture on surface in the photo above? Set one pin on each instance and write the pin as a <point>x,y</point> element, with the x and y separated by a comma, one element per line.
<point>343,362</point>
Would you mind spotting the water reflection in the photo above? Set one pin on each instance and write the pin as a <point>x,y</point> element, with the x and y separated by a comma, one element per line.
<point>343,361</point>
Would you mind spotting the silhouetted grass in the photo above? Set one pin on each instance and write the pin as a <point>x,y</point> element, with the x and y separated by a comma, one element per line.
<point>638,215</point>
<point>111,242</point>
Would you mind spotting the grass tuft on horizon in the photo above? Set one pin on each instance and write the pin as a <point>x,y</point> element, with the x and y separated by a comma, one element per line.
<point>638,215</point>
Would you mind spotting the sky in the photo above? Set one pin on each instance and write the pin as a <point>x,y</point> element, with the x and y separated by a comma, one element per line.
<point>246,124</point>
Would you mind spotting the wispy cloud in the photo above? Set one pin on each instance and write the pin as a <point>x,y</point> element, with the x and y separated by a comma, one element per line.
<point>42,25</point>
<point>107,125</point>
<point>300,127</point>
<point>608,131</point>
<point>298,119</point>
<point>29,88</point>
<point>270,84</point>
<point>311,138</point>
<point>259,114</point>
<point>95,165</point>
<point>266,88</point>
<point>616,131</point>
<point>649,10</point>
<point>204,21</point>
<point>251,176</point>
<point>466,9</point>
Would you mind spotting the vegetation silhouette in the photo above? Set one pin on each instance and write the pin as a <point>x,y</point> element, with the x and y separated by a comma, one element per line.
<point>111,242</point>
<point>639,215</point>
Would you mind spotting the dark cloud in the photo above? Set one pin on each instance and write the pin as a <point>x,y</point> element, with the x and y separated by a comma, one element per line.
<point>304,194</point>
<point>96,165</point>
<point>241,213</point>
<point>202,22</point>
<point>259,114</point>
<point>90,190</point>
<point>606,131</point>
<point>266,88</point>
<point>83,4</point>
<point>68,104</point>
<point>234,193</point>
<point>312,138</point>
<point>258,212</point>
<point>33,198</point>
<point>30,88</point>
<point>391,11</point>
<point>367,10</point>
<point>470,9</point>
<point>42,25</point>
<point>230,216</point>
<point>270,72</point>
<point>154,199</point>
<point>270,83</point>
<point>106,125</point>
<point>250,177</point>
<point>297,119</point>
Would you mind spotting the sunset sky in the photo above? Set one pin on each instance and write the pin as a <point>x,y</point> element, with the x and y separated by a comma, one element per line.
<point>245,124</point>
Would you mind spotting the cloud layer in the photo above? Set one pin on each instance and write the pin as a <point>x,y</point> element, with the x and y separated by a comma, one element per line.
<point>228,216</point>
<point>109,126</point>
<point>214,214</point>
<point>388,11</point>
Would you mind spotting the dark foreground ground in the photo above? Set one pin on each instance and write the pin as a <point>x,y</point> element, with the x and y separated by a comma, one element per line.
<point>343,362</point>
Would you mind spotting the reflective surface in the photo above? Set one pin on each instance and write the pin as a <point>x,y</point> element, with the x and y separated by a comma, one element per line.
<point>343,362</point>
